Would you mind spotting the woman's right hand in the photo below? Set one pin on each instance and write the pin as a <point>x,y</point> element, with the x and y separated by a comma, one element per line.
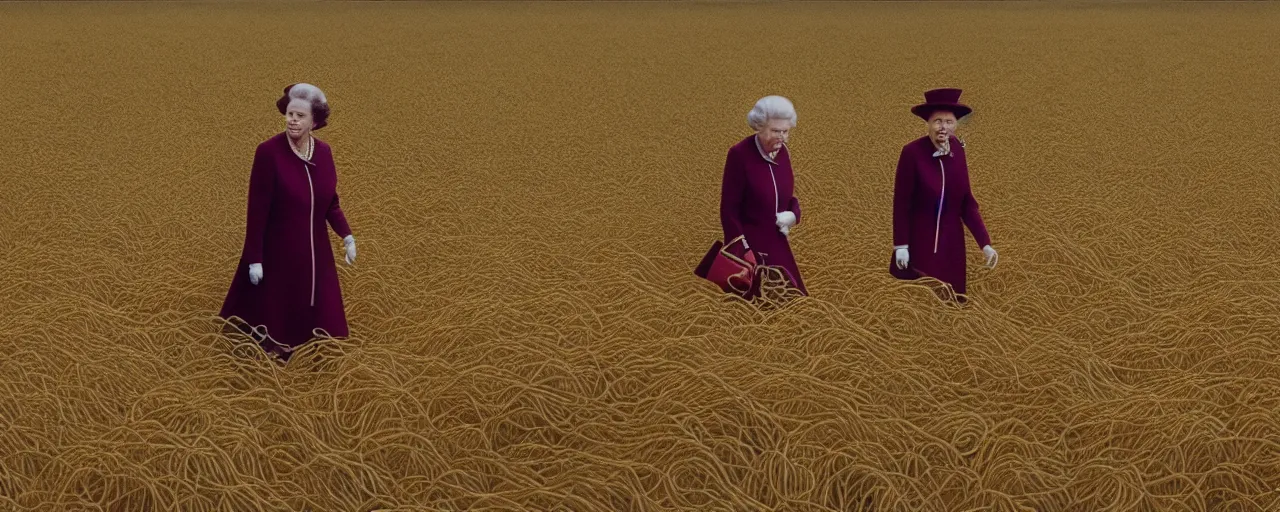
<point>784,222</point>
<point>255,273</point>
<point>901,257</point>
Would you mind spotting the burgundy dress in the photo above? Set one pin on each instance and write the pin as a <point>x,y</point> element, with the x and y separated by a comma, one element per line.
<point>289,201</point>
<point>932,203</point>
<point>755,189</point>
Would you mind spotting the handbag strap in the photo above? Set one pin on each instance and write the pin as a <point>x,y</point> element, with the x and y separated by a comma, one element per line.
<point>724,251</point>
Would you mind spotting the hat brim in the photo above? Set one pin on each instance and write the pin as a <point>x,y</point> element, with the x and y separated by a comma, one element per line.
<point>924,110</point>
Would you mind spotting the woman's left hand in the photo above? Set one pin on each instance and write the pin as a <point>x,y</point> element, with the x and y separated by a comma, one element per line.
<point>785,220</point>
<point>992,257</point>
<point>350,241</point>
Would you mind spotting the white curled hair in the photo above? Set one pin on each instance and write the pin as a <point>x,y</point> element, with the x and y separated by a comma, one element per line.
<point>307,93</point>
<point>771,107</point>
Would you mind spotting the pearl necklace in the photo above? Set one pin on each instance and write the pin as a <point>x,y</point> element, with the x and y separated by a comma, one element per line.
<point>311,147</point>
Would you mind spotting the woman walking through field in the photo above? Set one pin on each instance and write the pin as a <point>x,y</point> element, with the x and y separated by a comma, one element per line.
<point>932,200</point>
<point>757,194</point>
<point>286,283</point>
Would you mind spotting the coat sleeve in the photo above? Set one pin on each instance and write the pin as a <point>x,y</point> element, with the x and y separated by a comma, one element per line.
<point>794,207</point>
<point>333,214</point>
<point>262,183</point>
<point>973,219</point>
<point>337,219</point>
<point>732,185</point>
<point>904,186</point>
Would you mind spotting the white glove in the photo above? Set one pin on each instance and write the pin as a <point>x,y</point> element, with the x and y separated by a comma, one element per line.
<point>350,242</point>
<point>901,257</point>
<point>784,221</point>
<point>992,257</point>
<point>255,273</point>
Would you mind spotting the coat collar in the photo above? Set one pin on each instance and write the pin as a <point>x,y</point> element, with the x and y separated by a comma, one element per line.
<point>760,149</point>
<point>944,151</point>
<point>288,146</point>
<point>948,151</point>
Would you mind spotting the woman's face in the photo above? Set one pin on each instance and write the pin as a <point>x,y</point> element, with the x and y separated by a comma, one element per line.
<point>297,117</point>
<point>774,133</point>
<point>942,125</point>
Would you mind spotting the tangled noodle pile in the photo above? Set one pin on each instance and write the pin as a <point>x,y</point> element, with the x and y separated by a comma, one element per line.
<point>529,203</point>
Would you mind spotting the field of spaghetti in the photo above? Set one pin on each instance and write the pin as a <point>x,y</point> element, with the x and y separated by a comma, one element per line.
<point>531,185</point>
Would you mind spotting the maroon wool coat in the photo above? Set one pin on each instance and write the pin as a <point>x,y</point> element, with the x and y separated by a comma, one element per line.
<point>289,201</point>
<point>932,202</point>
<point>753,191</point>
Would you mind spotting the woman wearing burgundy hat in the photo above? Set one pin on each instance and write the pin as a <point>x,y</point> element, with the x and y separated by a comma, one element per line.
<point>286,284</point>
<point>932,200</point>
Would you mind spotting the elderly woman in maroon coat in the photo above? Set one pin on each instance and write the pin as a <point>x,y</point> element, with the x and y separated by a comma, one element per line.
<point>757,194</point>
<point>932,200</point>
<point>286,284</point>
